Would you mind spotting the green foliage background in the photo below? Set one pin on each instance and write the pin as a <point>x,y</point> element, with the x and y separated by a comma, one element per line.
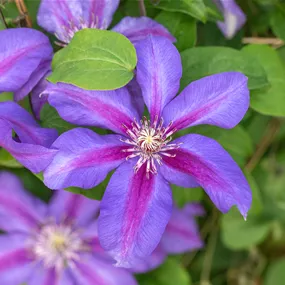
<point>236,252</point>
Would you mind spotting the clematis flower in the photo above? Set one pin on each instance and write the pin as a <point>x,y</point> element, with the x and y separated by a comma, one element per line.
<point>137,203</point>
<point>181,235</point>
<point>31,145</point>
<point>25,56</point>
<point>234,18</point>
<point>65,18</point>
<point>52,244</point>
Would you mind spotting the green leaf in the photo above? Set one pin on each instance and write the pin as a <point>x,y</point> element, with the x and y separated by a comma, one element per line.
<point>277,23</point>
<point>95,60</point>
<point>271,100</point>
<point>214,14</point>
<point>194,8</point>
<point>238,234</point>
<point>236,141</point>
<point>7,160</point>
<point>203,61</point>
<point>6,96</point>
<point>171,272</point>
<point>183,195</point>
<point>181,26</point>
<point>275,274</point>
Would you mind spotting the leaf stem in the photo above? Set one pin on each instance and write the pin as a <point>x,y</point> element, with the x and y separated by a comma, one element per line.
<point>275,42</point>
<point>22,8</point>
<point>268,137</point>
<point>142,8</point>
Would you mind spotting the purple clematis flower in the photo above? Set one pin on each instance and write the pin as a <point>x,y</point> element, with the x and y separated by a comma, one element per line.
<point>234,18</point>
<point>31,145</point>
<point>137,204</point>
<point>52,244</point>
<point>181,235</point>
<point>65,18</point>
<point>25,56</point>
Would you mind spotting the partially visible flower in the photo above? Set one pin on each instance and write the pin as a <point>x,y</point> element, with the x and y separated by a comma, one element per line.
<point>137,203</point>
<point>65,18</point>
<point>181,235</point>
<point>234,18</point>
<point>31,143</point>
<point>25,56</point>
<point>52,244</point>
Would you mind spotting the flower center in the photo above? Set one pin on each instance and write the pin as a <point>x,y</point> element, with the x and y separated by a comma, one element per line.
<point>57,245</point>
<point>149,141</point>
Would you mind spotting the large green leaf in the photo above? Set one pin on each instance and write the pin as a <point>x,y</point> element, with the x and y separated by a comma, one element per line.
<point>202,61</point>
<point>95,60</point>
<point>194,8</point>
<point>240,234</point>
<point>181,26</point>
<point>170,273</point>
<point>270,100</point>
<point>277,23</point>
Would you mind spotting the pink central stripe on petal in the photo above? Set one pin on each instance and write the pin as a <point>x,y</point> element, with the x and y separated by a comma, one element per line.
<point>50,278</point>
<point>91,276</point>
<point>139,194</point>
<point>197,114</point>
<point>111,114</point>
<point>14,259</point>
<point>73,206</point>
<point>20,210</point>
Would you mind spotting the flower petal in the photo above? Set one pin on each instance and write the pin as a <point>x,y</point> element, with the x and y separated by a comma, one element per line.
<point>19,211</point>
<point>105,109</point>
<point>21,53</point>
<point>134,213</point>
<point>153,261</point>
<point>63,18</point>
<point>91,270</point>
<point>100,10</point>
<point>45,276</point>
<point>31,146</point>
<point>234,18</point>
<point>84,159</point>
<point>194,209</point>
<point>74,207</point>
<point>181,234</point>
<point>159,71</point>
<point>136,29</point>
<point>36,77</point>
<point>16,264</point>
<point>25,126</point>
<point>220,99</point>
<point>214,169</point>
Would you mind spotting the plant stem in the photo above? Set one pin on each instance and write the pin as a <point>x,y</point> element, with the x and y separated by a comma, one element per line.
<point>268,137</point>
<point>142,8</point>
<point>267,41</point>
<point>21,6</point>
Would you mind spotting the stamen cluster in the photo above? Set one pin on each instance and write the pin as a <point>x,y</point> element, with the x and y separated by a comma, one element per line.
<point>57,245</point>
<point>149,141</point>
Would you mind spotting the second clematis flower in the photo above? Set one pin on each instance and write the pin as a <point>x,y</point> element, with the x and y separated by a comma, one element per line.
<point>137,203</point>
<point>65,18</point>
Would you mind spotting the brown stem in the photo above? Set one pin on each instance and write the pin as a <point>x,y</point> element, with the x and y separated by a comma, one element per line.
<point>142,8</point>
<point>2,18</point>
<point>266,140</point>
<point>21,6</point>
<point>263,41</point>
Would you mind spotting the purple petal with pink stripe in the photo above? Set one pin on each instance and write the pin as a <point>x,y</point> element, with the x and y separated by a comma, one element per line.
<point>136,29</point>
<point>181,234</point>
<point>134,213</point>
<point>22,53</point>
<point>91,270</point>
<point>84,158</point>
<point>159,71</point>
<point>220,99</point>
<point>105,109</point>
<point>16,263</point>
<point>214,169</point>
<point>74,207</point>
<point>23,211</point>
